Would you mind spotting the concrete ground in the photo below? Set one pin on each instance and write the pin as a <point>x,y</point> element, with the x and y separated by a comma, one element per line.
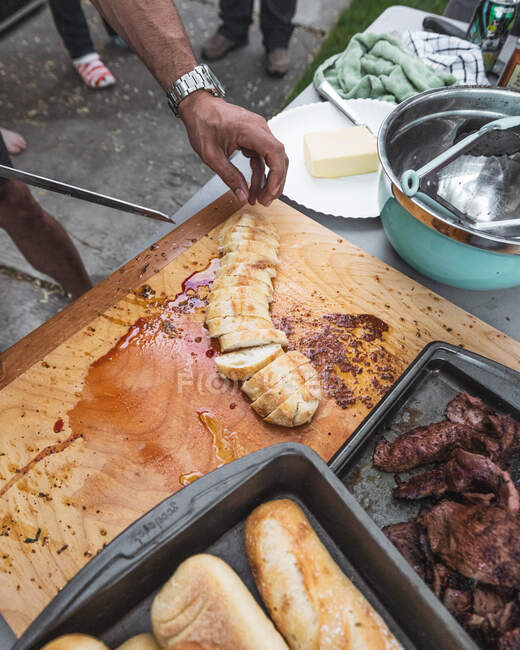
<point>121,141</point>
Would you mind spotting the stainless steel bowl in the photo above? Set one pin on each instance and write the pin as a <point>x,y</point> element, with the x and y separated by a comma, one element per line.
<point>484,185</point>
<point>476,245</point>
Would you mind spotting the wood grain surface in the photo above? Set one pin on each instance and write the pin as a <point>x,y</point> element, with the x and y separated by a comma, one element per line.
<point>115,403</point>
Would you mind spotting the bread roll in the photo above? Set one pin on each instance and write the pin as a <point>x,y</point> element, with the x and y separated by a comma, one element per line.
<point>205,602</point>
<point>240,365</point>
<point>75,642</point>
<point>140,642</point>
<point>314,605</point>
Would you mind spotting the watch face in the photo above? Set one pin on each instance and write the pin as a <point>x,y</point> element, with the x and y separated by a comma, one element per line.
<point>215,80</point>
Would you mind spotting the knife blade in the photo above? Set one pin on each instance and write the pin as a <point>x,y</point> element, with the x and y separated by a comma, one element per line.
<point>81,193</point>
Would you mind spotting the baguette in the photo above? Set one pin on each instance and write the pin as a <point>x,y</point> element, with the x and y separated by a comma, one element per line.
<point>255,271</point>
<point>205,602</point>
<point>314,605</point>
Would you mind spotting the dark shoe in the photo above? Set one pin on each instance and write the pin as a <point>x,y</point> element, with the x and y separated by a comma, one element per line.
<point>217,46</point>
<point>277,62</point>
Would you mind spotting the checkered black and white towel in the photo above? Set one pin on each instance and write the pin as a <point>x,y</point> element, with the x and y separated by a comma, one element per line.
<point>449,54</point>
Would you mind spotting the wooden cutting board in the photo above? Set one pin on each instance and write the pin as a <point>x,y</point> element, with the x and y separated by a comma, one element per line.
<point>115,403</point>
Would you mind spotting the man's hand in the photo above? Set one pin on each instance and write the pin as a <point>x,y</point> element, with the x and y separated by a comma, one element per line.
<point>216,129</point>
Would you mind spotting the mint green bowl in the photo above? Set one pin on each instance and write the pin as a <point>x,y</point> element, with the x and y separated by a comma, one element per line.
<point>444,259</point>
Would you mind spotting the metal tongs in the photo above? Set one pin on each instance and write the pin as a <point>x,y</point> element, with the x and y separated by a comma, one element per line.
<point>411,180</point>
<point>80,193</point>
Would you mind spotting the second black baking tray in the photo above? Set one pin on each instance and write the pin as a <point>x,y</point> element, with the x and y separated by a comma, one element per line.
<point>111,597</point>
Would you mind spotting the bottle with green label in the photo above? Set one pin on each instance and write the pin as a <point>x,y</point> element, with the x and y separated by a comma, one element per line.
<point>490,26</point>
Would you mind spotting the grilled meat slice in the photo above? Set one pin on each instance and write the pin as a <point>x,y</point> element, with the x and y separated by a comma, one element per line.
<point>462,473</point>
<point>423,445</point>
<point>507,431</point>
<point>405,537</point>
<point>487,600</point>
<point>469,411</point>
<point>481,542</point>
<point>510,640</point>
<point>458,603</point>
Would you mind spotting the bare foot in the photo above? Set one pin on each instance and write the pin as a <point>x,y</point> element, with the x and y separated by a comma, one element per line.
<point>14,142</point>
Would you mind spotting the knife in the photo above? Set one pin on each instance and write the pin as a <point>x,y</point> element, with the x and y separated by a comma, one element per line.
<point>328,92</point>
<point>80,193</point>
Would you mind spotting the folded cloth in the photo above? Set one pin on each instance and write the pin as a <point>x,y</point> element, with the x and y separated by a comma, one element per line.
<point>450,54</point>
<point>380,66</point>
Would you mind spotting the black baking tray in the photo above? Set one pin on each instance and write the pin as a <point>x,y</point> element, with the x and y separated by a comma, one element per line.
<point>111,596</point>
<point>419,398</point>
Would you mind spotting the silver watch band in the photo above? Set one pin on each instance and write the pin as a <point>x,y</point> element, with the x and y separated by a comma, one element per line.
<point>200,78</point>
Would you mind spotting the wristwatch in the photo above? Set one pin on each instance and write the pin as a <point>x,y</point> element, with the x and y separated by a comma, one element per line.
<point>200,78</point>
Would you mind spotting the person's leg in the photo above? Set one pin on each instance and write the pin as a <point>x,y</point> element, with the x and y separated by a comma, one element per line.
<point>276,25</point>
<point>14,142</point>
<point>72,26</point>
<point>236,16</point>
<point>39,237</point>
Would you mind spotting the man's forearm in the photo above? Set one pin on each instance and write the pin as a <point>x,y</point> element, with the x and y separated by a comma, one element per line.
<point>155,31</point>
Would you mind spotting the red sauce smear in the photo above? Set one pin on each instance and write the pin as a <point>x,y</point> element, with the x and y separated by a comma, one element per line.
<point>58,425</point>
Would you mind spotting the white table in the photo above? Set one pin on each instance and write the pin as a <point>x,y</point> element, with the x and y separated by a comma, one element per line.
<point>498,308</point>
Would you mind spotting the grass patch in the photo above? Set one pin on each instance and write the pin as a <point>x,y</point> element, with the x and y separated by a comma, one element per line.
<point>354,19</point>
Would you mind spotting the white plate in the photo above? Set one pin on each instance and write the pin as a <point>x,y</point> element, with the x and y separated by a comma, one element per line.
<point>350,196</point>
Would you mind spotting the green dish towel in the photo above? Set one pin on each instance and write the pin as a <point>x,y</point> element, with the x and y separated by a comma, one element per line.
<point>379,66</point>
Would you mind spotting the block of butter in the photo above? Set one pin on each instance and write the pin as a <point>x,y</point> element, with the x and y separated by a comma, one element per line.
<point>345,152</point>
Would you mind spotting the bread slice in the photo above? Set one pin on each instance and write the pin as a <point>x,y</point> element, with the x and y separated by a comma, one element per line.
<point>239,235</point>
<point>75,642</point>
<point>140,642</point>
<point>293,382</point>
<point>258,250</point>
<point>238,282</point>
<point>251,338</point>
<point>309,400</point>
<point>248,294</point>
<point>242,364</point>
<point>206,603</point>
<point>228,324</point>
<point>273,373</point>
<point>248,221</point>
<point>311,600</point>
<point>298,408</point>
<point>259,272</point>
<point>252,258</point>
<point>238,307</point>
